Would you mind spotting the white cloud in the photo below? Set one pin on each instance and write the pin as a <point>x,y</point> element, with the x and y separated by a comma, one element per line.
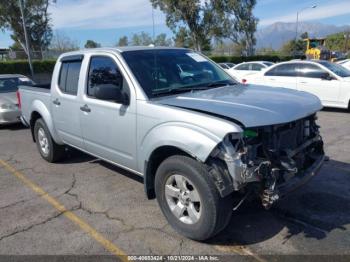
<point>320,12</point>
<point>96,14</point>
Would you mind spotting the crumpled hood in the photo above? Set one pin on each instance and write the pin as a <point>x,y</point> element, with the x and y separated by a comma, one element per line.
<point>8,98</point>
<point>251,105</point>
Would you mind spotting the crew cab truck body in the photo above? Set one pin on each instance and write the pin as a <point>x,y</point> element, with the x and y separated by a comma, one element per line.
<point>198,138</point>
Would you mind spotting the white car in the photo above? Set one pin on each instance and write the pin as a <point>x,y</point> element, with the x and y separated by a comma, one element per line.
<point>239,71</point>
<point>345,63</point>
<point>226,65</point>
<point>330,82</point>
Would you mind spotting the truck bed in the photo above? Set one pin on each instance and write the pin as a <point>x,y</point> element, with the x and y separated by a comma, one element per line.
<point>33,97</point>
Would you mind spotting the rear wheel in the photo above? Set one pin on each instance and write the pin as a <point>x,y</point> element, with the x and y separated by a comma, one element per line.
<point>189,199</point>
<point>48,148</point>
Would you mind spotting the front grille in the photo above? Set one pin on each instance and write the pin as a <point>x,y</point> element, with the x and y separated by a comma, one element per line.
<point>282,145</point>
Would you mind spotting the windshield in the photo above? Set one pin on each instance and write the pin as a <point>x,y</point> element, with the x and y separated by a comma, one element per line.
<point>336,69</point>
<point>161,72</point>
<point>11,84</point>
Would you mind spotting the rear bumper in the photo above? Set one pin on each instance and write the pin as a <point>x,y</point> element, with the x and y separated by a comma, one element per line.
<point>10,116</point>
<point>24,121</point>
<point>297,181</point>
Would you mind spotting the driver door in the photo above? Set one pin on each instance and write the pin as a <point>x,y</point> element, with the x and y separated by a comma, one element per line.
<point>108,127</point>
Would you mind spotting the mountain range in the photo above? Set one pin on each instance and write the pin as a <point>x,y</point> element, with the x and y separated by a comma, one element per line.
<point>275,35</point>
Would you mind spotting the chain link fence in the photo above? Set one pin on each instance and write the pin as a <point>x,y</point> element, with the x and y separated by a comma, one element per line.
<point>10,55</point>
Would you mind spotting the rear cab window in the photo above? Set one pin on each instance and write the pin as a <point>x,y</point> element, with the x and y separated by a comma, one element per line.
<point>69,75</point>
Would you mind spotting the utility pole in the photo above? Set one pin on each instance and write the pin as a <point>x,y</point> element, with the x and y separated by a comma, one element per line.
<point>153,29</point>
<point>347,36</point>
<point>297,24</point>
<point>21,7</point>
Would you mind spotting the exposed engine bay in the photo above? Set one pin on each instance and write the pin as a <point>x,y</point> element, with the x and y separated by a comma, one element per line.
<point>276,159</point>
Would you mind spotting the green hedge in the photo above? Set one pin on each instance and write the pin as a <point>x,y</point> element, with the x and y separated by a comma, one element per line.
<point>240,59</point>
<point>22,67</point>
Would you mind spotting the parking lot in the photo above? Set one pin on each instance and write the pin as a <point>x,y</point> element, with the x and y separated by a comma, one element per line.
<point>84,206</point>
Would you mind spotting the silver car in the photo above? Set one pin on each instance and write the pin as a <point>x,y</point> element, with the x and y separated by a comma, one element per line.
<point>9,109</point>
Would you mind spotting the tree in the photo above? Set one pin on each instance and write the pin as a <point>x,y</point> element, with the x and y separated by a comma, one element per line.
<point>37,22</point>
<point>192,16</point>
<point>238,23</point>
<point>162,40</point>
<point>292,47</point>
<point>183,39</point>
<point>91,44</point>
<point>62,43</point>
<point>296,48</point>
<point>140,39</point>
<point>338,42</point>
<point>304,35</point>
<point>123,41</point>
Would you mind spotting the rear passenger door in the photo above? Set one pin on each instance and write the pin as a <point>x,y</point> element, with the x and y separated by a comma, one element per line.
<point>65,101</point>
<point>109,128</point>
<point>284,75</point>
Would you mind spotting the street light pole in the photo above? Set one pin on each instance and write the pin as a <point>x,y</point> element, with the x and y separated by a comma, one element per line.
<point>297,25</point>
<point>26,37</point>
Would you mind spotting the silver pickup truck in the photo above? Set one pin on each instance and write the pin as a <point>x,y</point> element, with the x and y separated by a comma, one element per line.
<point>201,141</point>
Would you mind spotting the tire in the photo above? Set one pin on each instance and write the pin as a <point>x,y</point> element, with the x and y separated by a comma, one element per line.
<point>47,147</point>
<point>211,214</point>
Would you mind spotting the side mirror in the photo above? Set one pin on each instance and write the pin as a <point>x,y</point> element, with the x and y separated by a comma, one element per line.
<point>112,93</point>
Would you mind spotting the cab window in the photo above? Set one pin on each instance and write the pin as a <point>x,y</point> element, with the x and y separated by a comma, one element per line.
<point>103,70</point>
<point>69,77</point>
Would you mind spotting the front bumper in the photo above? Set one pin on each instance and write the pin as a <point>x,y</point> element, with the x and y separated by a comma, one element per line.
<point>297,181</point>
<point>10,116</point>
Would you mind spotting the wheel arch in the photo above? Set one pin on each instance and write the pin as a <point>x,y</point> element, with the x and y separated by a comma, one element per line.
<point>39,110</point>
<point>151,165</point>
<point>170,139</point>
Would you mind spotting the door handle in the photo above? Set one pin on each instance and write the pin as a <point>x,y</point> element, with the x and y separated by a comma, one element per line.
<point>56,102</point>
<point>303,82</point>
<point>272,79</point>
<point>85,108</point>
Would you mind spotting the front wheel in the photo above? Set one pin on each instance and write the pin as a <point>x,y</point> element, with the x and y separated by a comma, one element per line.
<point>189,198</point>
<point>48,148</point>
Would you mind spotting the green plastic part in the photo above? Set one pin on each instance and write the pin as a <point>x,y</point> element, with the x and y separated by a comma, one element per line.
<point>250,133</point>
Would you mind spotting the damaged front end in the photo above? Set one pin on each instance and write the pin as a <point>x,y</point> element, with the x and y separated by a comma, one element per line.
<point>275,159</point>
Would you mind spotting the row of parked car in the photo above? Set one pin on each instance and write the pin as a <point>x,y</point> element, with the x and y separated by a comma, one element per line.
<point>330,82</point>
<point>9,108</point>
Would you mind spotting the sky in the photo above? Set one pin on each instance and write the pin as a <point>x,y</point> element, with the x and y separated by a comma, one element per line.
<point>106,20</point>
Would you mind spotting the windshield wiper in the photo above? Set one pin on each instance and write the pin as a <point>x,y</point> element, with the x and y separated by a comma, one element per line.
<point>204,86</point>
<point>220,83</point>
<point>179,90</point>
